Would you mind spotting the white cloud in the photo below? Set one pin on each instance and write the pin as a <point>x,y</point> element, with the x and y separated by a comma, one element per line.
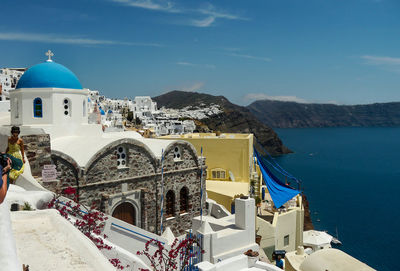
<point>261,96</point>
<point>387,63</point>
<point>165,6</point>
<point>51,38</point>
<point>206,22</point>
<point>196,19</point>
<point>185,64</point>
<point>213,12</point>
<point>193,87</point>
<point>266,59</point>
<point>381,60</point>
<point>182,63</point>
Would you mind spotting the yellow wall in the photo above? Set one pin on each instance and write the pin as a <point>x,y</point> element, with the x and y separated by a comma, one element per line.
<point>231,152</point>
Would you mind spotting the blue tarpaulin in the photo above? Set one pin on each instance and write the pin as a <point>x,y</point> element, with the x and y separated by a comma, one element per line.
<point>280,192</point>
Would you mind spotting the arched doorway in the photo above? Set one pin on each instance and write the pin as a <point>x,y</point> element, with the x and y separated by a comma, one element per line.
<point>125,212</point>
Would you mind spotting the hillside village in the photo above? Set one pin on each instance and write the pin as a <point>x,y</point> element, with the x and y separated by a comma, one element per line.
<point>149,181</point>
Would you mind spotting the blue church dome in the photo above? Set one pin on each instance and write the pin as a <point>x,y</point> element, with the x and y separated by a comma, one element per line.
<point>49,75</point>
<point>102,112</point>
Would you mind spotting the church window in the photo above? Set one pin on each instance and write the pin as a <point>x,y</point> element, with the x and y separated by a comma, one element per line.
<point>121,157</point>
<point>37,108</point>
<point>218,173</point>
<point>67,107</point>
<point>177,153</point>
<point>170,203</point>
<point>184,200</point>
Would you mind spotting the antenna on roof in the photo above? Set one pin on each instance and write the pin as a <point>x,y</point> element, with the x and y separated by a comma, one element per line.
<point>49,54</point>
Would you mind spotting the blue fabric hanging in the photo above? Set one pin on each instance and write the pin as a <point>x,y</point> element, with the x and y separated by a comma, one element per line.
<point>280,192</point>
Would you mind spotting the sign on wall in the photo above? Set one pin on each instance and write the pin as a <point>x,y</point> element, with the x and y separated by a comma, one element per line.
<point>49,173</point>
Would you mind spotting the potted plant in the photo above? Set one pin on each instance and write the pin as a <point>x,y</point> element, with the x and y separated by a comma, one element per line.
<point>252,257</point>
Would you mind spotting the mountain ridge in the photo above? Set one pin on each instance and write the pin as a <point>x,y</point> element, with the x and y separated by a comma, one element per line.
<point>233,119</point>
<point>284,114</point>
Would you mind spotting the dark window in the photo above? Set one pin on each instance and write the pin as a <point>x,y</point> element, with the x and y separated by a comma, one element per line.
<point>67,107</point>
<point>37,108</point>
<point>286,240</point>
<point>121,157</point>
<point>170,203</point>
<point>184,200</point>
<point>177,153</point>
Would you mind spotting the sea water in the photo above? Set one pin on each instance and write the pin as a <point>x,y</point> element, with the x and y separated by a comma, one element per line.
<point>351,177</point>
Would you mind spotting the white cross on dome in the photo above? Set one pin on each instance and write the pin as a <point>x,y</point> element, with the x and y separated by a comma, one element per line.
<point>49,53</point>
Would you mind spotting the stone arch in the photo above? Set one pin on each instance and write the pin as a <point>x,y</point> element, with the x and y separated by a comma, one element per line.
<point>127,211</point>
<point>124,141</point>
<point>140,161</point>
<point>186,147</point>
<point>68,168</point>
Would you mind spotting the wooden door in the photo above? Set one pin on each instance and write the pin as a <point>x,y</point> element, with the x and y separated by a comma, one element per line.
<point>125,212</point>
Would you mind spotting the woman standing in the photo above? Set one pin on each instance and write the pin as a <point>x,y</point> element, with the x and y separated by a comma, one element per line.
<point>16,149</point>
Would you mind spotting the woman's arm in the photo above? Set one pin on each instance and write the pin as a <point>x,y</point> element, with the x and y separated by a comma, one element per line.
<point>21,145</point>
<point>3,188</point>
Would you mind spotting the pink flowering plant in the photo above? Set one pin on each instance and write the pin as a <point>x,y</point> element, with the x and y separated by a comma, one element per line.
<point>88,220</point>
<point>163,259</point>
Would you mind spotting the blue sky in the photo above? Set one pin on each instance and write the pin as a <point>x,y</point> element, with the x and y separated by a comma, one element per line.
<point>342,51</point>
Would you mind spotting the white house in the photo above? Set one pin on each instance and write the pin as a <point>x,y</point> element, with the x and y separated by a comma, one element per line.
<point>228,235</point>
<point>8,80</point>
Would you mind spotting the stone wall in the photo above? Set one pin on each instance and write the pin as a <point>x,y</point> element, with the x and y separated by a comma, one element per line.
<point>38,151</point>
<point>104,167</point>
<point>67,168</point>
<point>103,178</point>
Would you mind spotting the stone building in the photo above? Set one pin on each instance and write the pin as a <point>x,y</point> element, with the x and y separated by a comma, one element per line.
<point>117,172</point>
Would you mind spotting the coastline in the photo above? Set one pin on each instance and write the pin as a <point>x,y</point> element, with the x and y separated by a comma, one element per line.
<point>308,225</point>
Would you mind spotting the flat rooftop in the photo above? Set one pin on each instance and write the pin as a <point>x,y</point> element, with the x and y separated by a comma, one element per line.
<point>209,136</point>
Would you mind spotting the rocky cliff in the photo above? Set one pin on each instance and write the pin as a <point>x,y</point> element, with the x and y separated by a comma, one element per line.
<point>279,114</point>
<point>233,119</point>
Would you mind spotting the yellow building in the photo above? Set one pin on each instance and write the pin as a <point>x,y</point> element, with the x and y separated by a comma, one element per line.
<point>230,166</point>
<point>231,171</point>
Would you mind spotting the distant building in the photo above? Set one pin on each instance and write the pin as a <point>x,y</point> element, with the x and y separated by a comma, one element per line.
<point>8,80</point>
<point>142,106</point>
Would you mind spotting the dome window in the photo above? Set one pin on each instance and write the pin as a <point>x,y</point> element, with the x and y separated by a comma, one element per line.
<point>67,107</point>
<point>37,108</point>
<point>177,153</point>
<point>121,157</point>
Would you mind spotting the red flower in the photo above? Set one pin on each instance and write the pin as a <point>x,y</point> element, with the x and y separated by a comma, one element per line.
<point>69,191</point>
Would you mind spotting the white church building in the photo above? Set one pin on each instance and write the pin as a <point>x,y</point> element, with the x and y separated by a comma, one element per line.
<point>117,172</point>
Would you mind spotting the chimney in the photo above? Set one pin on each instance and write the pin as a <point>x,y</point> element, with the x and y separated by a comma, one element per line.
<point>245,213</point>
